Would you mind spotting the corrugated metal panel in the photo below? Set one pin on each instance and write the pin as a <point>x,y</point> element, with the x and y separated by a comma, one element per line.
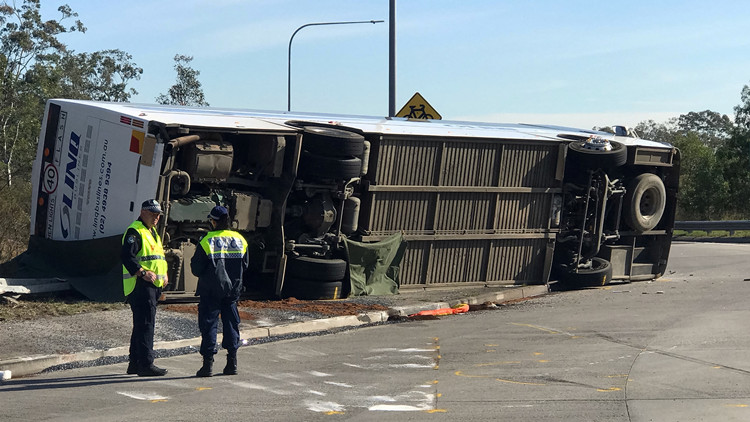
<point>412,268</point>
<point>528,165</point>
<point>407,162</point>
<point>408,165</point>
<point>530,211</point>
<point>464,211</point>
<point>470,164</point>
<point>455,261</point>
<point>517,259</point>
<point>397,211</point>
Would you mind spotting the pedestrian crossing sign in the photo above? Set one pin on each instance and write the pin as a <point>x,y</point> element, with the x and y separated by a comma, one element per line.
<point>418,108</point>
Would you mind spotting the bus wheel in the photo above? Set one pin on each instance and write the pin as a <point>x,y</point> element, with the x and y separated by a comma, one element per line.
<point>599,274</point>
<point>332,142</point>
<point>304,289</point>
<point>645,200</point>
<point>581,155</point>
<point>316,268</point>
<point>322,167</point>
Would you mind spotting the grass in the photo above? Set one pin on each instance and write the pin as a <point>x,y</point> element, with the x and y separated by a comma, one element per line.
<point>68,303</point>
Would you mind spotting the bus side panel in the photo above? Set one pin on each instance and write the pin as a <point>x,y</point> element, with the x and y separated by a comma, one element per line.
<point>472,210</point>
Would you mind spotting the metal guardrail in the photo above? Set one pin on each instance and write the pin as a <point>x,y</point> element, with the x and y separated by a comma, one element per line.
<point>708,226</point>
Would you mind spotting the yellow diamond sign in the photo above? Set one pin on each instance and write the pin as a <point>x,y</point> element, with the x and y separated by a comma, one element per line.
<point>418,108</point>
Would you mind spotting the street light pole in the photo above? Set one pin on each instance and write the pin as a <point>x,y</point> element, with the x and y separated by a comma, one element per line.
<point>289,55</point>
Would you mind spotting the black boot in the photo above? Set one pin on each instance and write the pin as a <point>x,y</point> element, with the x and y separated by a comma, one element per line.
<point>151,371</point>
<point>206,369</point>
<point>231,368</point>
<point>132,367</point>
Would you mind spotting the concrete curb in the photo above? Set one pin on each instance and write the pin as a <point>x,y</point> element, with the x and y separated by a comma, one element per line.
<point>30,365</point>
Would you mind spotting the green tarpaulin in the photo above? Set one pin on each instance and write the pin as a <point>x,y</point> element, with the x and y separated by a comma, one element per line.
<point>373,267</point>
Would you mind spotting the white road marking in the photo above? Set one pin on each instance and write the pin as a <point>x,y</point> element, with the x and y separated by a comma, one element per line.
<point>338,384</point>
<point>323,406</point>
<point>142,396</point>
<point>318,374</point>
<point>260,387</point>
<point>424,401</point>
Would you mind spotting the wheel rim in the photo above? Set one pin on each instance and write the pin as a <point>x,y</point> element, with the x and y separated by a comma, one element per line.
<point>649,203</point>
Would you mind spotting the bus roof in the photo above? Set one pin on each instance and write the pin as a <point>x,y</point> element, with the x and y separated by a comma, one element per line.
<point>276,120</point>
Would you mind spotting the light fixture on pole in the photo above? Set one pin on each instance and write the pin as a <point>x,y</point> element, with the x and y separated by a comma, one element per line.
<point>289,55</point>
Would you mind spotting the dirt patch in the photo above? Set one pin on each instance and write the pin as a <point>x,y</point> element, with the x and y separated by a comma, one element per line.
<point>245,307</point>
<point>325,307</point>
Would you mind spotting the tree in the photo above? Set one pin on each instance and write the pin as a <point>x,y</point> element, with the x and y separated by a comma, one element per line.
<point>187,91</point>
<point>35,66</point>
<point>734,156</point>
<point>711,127</point>
<point>703,191</point>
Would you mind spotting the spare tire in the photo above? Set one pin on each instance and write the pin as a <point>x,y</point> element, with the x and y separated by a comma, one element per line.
<point>301,288</point>
<point>316,269</point>
<point>332,142</point>
<point>583,158</point>
<point>599,274</point>
<point>645,201</point>
<point>321,167</point>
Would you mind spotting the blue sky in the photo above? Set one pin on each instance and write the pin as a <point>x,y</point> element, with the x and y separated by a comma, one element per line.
<point>577,63</point>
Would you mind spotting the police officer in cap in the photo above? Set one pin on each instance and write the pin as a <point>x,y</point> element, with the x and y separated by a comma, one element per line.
<point>219,262</point>
<point>144,274</point>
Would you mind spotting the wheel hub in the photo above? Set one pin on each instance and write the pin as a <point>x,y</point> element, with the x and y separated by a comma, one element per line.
<point>597,143</point>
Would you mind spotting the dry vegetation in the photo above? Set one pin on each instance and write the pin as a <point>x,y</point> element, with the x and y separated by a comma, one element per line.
<point>26,308</point>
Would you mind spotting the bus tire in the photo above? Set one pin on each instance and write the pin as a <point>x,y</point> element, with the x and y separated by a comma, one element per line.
<point>585,159</point>
<point>316,269</point>
<point>645,201</point>
<point>599,274</point>
<point>305,289</point>
<point>321,167</point>
<point>332,142</point>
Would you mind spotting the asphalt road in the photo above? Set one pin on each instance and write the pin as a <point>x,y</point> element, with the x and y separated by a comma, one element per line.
<point>675,349</point>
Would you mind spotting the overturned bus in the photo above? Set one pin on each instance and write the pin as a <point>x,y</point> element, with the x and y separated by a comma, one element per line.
<point>469,203</point>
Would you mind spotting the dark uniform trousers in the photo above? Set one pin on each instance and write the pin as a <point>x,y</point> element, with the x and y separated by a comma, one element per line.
<point>143,302</point>
<point>208,315</point>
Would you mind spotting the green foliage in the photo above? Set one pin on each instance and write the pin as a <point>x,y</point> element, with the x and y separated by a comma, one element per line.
<point>14,209</point>
<point>711,127</point>
<point>187,91</point>
<point>703,190</point>
<point>34,67</point>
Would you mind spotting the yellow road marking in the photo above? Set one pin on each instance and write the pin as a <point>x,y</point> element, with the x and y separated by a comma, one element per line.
<point>203,388</point>
<point>334,412</point>
<point>518,382</point>
<point>436,411</point>
<point>537,327</point>
<point>605,390</point>
<point>736,405</point>
<point>497,363</point>
<point>158,401</point>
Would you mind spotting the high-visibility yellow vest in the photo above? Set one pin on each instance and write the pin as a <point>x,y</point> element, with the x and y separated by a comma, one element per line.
<point>151,257</point>
<point>224,244</point>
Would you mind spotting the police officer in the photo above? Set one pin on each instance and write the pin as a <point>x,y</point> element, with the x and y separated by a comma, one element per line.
<point>219,263</point>
<point>144,273</point>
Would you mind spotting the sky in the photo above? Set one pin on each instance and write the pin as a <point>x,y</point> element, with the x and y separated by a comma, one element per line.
<point>576,63</point>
